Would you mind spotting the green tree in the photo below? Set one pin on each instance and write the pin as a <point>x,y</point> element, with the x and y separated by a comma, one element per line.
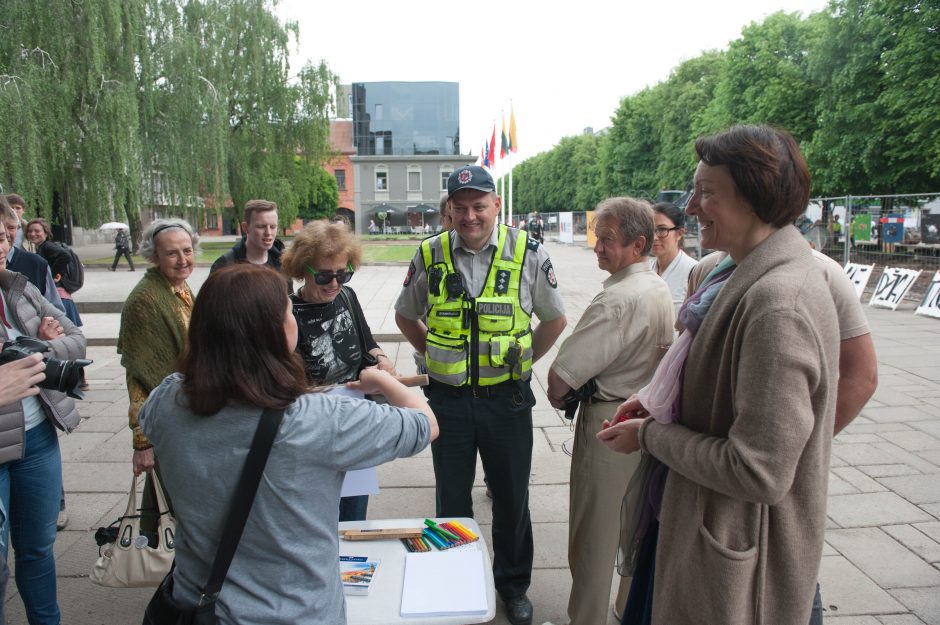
<point>765,78</point>
<point>319,192</point>
<point>878,130</point>
<point>630,153</point>
<point>107,105</point>
<point>68,106</point>
<point>219,71</point>
<point>683,99</point>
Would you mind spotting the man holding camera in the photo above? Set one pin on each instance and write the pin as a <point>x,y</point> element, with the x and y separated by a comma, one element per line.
<point>618,343</point>
<point>30,463</point>
<point>478,286</point>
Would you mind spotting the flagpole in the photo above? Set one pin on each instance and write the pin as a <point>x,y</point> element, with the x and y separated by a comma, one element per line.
<point>510,185</point>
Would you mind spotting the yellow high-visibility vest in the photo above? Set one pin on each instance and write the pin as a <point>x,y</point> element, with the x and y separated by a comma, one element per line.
<point>481,340</point>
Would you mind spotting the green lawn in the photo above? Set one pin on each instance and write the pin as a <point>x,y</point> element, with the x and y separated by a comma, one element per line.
<point>372,252</point>
<point>378,253</point>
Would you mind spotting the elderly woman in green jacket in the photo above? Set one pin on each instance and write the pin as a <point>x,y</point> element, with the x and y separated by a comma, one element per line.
<point>743,423</point>
<point>154,322</point>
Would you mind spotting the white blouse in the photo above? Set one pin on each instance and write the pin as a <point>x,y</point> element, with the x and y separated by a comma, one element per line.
<point>677,276</point>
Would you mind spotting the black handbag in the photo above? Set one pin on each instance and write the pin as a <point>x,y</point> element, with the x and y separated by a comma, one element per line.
<point>163,609</point>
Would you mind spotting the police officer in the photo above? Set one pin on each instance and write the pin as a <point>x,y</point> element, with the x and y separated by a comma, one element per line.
<point>478,286</point>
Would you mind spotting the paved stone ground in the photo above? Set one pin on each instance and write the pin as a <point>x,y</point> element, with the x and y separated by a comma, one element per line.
<point>880,566</point>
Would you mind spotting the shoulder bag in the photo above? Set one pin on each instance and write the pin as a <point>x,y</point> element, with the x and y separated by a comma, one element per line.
<point>365,359</point>
<point>129,561</point>
<point>163,609</point>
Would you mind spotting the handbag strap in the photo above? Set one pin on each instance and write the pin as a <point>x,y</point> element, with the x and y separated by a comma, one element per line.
<point>363,350</point>
<point>242,500</point>
<point>347,301</point>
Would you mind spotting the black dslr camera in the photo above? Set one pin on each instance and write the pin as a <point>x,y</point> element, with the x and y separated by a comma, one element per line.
<point>64,376</point>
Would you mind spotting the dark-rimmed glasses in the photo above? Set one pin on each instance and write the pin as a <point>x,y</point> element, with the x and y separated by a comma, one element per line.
<point>325,277</point>
<point>662,231</point>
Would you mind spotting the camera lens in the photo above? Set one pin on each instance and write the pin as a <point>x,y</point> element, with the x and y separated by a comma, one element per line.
<point>65,376</point>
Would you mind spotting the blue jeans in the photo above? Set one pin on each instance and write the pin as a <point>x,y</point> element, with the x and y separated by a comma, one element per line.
<point>30,489</point>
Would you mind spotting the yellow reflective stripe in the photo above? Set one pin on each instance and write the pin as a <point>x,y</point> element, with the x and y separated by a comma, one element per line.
<point>445,250</point>
<point>426,253</point>
<point>445,356</point>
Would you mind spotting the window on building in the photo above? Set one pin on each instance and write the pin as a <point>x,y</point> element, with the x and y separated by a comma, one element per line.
<point>381,181</point>
<point>340,179</point>
<point>212,220</point>
<point>414,180</point>
<point>445,174</point>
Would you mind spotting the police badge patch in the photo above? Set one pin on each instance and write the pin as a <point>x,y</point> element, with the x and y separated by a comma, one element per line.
<point>410,274</point>
<point>550,274</point>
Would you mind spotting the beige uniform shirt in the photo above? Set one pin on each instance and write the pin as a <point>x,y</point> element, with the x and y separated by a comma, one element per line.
<point>538,289</point>
<point>621,336</point>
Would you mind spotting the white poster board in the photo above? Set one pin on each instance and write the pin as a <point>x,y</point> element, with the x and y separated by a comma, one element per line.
<point>892,286</point>
<point>566,227</point>
<point>930,305</point>
<point>859,275</point>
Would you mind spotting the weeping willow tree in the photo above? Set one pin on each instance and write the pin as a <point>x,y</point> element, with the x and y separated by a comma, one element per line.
<point>68,106</point>
<point>106,106</point>
<point>220,110</point>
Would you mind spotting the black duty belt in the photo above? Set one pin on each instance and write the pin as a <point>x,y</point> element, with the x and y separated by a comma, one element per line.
<point>503,389</point>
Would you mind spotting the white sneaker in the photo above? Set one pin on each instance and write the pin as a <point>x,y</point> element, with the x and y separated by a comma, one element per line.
<point>62,521</point>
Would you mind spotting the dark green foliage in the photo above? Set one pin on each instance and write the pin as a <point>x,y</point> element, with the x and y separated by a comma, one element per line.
<point>319,197</point>
<point>856,84</point>
<point>108,105</point>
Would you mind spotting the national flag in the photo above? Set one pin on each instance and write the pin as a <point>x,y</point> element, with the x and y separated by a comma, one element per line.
<point>513,143</point>
<point>504,140</point>
<point>486,154</point>
<point>493,148</point>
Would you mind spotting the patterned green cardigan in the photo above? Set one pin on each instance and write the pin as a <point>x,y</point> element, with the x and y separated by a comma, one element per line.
<point>153,335</point>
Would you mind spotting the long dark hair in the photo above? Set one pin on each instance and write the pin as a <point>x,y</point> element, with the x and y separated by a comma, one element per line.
<point>237,348</point>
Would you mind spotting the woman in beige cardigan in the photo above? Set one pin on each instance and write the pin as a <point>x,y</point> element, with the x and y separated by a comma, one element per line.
<point>746,438</point>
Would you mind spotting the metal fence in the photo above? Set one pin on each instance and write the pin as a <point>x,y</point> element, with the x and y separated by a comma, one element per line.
<point>900,231</point>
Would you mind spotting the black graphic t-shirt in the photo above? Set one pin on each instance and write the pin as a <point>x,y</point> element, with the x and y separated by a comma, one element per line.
<point>328,338</point>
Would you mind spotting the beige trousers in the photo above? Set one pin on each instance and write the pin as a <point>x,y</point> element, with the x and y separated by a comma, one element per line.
<point>599,479</point>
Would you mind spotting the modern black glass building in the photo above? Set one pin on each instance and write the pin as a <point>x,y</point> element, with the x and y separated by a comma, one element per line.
<point>406,118</point>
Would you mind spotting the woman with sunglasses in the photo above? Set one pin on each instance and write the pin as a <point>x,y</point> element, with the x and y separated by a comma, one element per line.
<point>334,338</point>
<point>671,262</point>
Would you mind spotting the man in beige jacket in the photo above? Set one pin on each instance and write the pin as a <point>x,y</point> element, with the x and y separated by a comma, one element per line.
<point>618,342</point>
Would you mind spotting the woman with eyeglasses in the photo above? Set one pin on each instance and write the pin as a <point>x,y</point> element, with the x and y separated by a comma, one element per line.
<point>334,338</point>
<point>671,262</point>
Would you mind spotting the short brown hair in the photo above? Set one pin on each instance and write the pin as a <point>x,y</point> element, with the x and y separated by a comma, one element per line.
<point>16,200</point>
<point>319,240</point>
<point>237,349</point>
<point>634,219</point>
<point>257,206</point>
<point>42,222</point>
<point>767,167</point>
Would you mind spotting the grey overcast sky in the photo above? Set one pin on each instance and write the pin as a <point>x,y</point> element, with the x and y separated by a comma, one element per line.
<point>563,65</point>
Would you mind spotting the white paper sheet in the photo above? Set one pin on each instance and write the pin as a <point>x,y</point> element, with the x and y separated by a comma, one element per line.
<point>444,583</point>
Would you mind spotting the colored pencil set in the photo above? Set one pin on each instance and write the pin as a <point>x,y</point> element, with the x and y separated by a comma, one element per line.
<point>440,535</point>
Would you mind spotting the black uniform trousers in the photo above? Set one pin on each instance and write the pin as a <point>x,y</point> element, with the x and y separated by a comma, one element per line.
<point>497,422</point>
